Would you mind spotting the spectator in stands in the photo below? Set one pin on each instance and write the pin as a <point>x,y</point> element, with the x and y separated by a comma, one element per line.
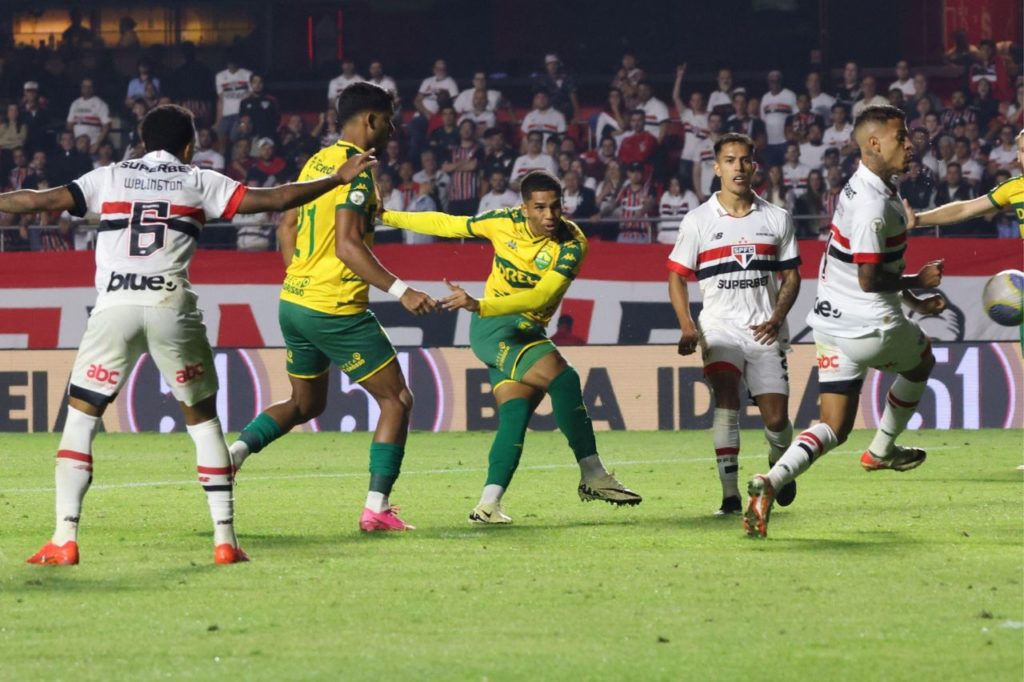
<point>812,152</point>
<point>595,160</point>
<point>232,86</point>
<point>955,187</point>
<point>67,163</point>
<point>904,83</point>
<point>327,130</point>
<point>463,102</point>
<point>243,130</point>
<point>378,78</point>
<point>565,160</point>
<point>19,170</point>
<point>464,166</point>
<point>921,91</point>
<point>923,152</point>
<point>821,102</point>
<point>406,185</point>
<point>76,36</point>
<point>391,159</point>
<point>794,173</point>
<point>36,119</point>
<point>656,114</point>
<point>13,134</point>
<point>481,117</point>
<point>970,170</point>
<point>391,197</point>
<point>627,78</point>
<point>585,180</point>
<point>542,118</point>
<point>922,108</point>
<point>633,203</point>
<point>445,136</point>
<point>798,123</point>
<point>945,153</point>
<point>777,105</point>
<point>192,85</point>
<point>1004,153</point>
<point>137,85</point>
<point>895,97</point>
<point>267,169</point>
<point>637,145</point>
<point>426,97</point>
<point>261,108</point>
<point>809,207</point>
<point>776,192</point>
<point>989,66</point>
<point>533,159</point>
<point>127,37</point>
<point>347,77</point>
<point>849,91</point>
<point>499,195</point>
<point>563,335</point>
<point>82,146</point>
<point>238,169</point>
<point>423,201</point>
<point>958,113</point>
<point>578,202</point>
<point>104,156</point>
<point>611,120</point>
<point>704,179</point>
<point>721,99</point>
<point>985,105</point>
<point>869,96</point>
<point>89,115</point>
<point>295,139</point>
<point>560,86</point>
<point>933,126</point>
<point>674,204</point>
<point>430,172</point>
<point>741,121</point>
<point>499,156</point>
<point>917,188</point>
<point>608,189</point>
<point>694,119</point>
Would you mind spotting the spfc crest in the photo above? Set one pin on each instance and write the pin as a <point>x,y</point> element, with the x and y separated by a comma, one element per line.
<point>744,253</point>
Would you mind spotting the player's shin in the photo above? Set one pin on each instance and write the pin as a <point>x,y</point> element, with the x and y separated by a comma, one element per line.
<point>258,434</point>
<point>900,405</point>
<point>73,472</point>
<point>725,431</point>
<point>808,446</point>
<point>385,465</point>
<point>513,417</point>
<point>778,442</point>
<point>573,420</point>
<point>215,474</point>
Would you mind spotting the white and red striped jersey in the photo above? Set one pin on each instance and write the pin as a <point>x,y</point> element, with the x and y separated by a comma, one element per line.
<point>465,184</point>
<point>869,226</point>
<point>233,87</point>
<point>550,122</point>
<point>151,211</point>
<point>736,262</point>
<point>88,116</point>
<point>775,109</point>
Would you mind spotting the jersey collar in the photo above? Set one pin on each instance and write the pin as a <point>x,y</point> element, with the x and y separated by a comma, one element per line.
<point>161,156</point>
<point>722,212</point>
<point>874,181</point>
<point>346,143</point>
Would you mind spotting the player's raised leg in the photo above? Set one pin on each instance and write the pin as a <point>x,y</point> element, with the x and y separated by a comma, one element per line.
<point>900,405</point>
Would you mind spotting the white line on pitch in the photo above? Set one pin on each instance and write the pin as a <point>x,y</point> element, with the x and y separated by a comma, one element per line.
<point>243,478</point>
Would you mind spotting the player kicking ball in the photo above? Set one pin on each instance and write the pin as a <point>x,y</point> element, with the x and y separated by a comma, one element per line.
<point>743,252</point>
<point>537,254</point>
<point>324,308</point>
<point>152,210</point>
<point>858,318</point>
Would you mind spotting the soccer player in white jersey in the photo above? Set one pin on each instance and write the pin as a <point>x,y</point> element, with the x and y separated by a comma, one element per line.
<point>152,210</point>
<point>858,319</point>
<point>743,252</point>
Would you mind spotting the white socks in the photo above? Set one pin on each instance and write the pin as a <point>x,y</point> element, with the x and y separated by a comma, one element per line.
<point>901,403</point>
<point>377,502</point>
<point>73,472</point>
<point>725,433</point>
<point>492,494</point>
<point>592,466</point>
<point>807,447</point>
<point>238,452</point>
<point>778,442</point>
<point>214,467</point>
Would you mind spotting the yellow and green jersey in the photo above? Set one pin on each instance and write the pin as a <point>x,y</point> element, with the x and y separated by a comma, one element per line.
<point>530,274</point>
<point>1010,193</point>
<point>316,278</point>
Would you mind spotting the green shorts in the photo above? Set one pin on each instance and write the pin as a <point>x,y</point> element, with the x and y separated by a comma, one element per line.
<point>509,345</point>
<point>355,343</point>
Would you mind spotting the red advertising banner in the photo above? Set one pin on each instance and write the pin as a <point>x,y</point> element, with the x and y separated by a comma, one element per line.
<point>984,19</point>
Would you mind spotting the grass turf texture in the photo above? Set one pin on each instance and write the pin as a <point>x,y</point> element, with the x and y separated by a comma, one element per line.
<point>867,576</point>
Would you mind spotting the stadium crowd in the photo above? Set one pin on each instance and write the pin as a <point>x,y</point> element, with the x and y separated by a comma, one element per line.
<point>631,166</point>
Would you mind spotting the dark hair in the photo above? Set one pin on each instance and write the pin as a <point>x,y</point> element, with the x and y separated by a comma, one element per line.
<point>169,128</point>
<point>962,140</point>
<point>529,135</point>
<point>880,113</point>
<point>539,181</point>
<point>364,96</point>
<point>734,138</point>
<point>954,163</point>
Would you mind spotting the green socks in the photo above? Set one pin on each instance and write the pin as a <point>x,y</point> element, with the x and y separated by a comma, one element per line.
<point>571,414</point>
<point>261,432</point>
<point>385,465</point>
<point>513,416</point>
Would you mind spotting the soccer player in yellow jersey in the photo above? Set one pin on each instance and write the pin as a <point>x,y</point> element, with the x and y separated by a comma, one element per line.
<point>537,254</point>
<point>1009,193</point>
<point>324,311</point>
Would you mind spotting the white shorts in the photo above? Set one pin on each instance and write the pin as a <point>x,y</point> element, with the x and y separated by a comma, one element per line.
<point>843,363</point>
<point>764,368</point>
<point>115,338</point>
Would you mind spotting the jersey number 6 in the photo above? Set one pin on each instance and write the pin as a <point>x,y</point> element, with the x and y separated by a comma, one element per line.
<point>148,228</point>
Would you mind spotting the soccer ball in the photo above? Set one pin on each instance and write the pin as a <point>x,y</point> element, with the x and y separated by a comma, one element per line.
<point>1003,298</point>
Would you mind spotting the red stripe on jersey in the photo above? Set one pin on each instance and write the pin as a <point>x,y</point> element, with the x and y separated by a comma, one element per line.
<point>217,471</point>
<point>721,367</point>
<point>71,454</point>
<point>889,242</point>
<point>726,252</point>
<point>679,269</point>
<point>867,258</point>
<point>176,210</point>
<point>839,238</point>
<point>233,203</point>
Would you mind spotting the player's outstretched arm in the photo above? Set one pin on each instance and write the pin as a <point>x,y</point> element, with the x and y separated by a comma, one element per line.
<point>680,297</point>
<point>766,332</point>
<point>430,222</point>
<point>34,200</point>
<point>950,214</point>
<point>353,252</point>
<point>293,194</point>
<point>545,294</point>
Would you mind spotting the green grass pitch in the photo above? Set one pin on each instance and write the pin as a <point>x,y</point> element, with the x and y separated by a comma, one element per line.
<point>909,576</point>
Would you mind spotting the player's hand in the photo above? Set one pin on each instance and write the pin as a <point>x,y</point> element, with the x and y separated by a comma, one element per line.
<point>688,341</point>
<point>355,165</point>
<point>767,332</point>
<point>459,299</point>
<point>418,302</point>
<point>930,276</point>
<point>911,216</point>
<point>929,304</point>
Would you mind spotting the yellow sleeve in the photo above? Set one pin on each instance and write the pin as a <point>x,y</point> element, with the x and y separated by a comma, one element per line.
<point>1001,195</point>
<point>550,288</point>
<point>429,222</point>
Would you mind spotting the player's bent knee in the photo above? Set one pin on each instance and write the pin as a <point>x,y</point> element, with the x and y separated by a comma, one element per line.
<point>310,408</point>
<point>923,370</point>
<point>776,423</point>
<point>406,398</point>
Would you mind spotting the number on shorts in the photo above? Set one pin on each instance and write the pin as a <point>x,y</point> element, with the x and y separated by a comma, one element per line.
<point>148,229</point>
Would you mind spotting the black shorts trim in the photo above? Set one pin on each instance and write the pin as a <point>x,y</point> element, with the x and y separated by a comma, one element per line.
<point>92,397</point>
<point>849,387</point>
